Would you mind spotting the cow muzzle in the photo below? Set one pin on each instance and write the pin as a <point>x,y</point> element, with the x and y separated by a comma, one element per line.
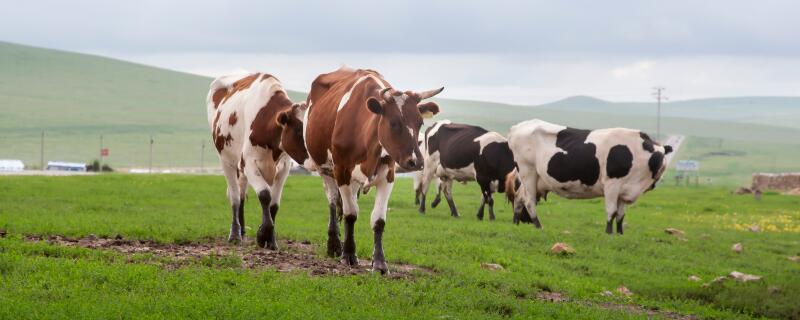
<point>414,162</point>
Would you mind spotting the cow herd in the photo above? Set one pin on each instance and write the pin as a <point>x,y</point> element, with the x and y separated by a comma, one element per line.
<point>355,130</point>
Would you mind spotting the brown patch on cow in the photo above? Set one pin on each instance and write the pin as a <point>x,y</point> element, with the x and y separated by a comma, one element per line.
<point>294,256</point>
<point>265,76</point>
<point>265,131</point>
<point>220,140</point>
<point>241,85</point>
<point>218,95</point>
<point>232,119</point>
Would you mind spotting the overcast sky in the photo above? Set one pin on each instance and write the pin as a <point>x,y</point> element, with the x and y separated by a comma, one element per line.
<point>524,52</point>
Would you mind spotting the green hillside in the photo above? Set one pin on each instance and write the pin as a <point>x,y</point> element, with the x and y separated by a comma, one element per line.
<point>75,98</point>
<point>773,111</point>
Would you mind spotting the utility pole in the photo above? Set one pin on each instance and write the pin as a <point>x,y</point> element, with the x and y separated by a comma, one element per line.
<point>150,166</point>
<point>202,154</point>
<point>41,152</point>
<point>658,93</point>
<point>100,166</point>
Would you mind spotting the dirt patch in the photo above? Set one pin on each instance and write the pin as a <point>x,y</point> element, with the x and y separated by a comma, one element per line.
<point>292,256</point>
<point>793,192</point>
<point>556,297</point>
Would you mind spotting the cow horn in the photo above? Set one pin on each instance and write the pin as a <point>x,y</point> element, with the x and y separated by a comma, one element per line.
<point>430,93</point>
<point>384,95</point>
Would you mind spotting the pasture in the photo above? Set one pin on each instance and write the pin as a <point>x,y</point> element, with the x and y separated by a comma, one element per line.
<point>41,280</point>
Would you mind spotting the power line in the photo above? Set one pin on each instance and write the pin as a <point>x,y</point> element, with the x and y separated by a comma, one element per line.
<point>658,93</point>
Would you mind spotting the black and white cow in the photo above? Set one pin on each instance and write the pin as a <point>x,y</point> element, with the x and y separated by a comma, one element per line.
<point>618,164</point>
<point>464,153</point>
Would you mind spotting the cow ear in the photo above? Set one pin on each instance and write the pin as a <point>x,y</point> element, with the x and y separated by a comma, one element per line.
<point>375,106</point>
<point>667,149</point>
<point>283,118</point>
<point>428,109</point>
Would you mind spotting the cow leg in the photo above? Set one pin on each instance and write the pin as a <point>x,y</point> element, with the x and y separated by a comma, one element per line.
<point>447,188</point>
<point>234,197</point>
<point>486,193</point>
<point>332,193</point>
<point>425,179</point>
<point>350,207</point>
<point>490,202</point>
<point>620,216</point>
<point>259,172</point>
<point>378,222</point>
<point>611,210</point>
<point>438,197</point>
<point>243,196</point>
<point>526,198</point>
<point>480,209</point>
<point>417,180</point>
<point>281,174</point>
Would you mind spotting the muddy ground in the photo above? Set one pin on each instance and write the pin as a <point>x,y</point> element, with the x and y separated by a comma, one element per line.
<point>292,255</point>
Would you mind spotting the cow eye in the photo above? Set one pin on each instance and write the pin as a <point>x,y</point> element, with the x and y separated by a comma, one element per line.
<point>394,124</point>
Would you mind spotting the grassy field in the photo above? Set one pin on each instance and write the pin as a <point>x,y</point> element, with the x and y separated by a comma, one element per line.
<point>731,163</point>
<point>48,281</point>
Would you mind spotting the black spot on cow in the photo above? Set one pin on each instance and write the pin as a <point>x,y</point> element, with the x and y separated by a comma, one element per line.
<point>578,162</point>
<point>619,162</point>
<point>655,163</point>
<point>648,143</point>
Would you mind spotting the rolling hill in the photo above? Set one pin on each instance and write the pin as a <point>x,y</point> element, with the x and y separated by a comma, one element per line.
<point>75,98</point>
<point>772,111</point>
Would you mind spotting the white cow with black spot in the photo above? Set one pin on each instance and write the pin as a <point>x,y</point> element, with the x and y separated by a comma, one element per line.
<point>618,164</point>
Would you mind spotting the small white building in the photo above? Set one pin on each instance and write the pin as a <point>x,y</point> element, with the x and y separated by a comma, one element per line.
<point>66,166</point>
<point>11,165</point>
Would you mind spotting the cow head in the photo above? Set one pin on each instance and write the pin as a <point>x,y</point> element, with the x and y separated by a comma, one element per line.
<point>658,163</point>
<point>401,115</point>
<point>292,141</point>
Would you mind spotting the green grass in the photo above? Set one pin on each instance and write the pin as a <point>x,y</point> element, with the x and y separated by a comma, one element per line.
<point>44,281</point>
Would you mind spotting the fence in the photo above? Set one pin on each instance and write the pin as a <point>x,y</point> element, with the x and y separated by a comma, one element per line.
<point>178,151</point>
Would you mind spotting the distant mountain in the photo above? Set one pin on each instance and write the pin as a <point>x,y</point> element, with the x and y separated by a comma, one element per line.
<point>774,111</point>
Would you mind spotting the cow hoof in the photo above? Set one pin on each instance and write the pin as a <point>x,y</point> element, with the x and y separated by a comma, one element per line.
<point>536,223</point>
<point>235,239</point>
<point>435,202</point>
<point>422,211</point>
<point>334,248</point>
<point>480,217</point>
<point>380,265</point>
<point>265,238</point>
<point>350,259</point>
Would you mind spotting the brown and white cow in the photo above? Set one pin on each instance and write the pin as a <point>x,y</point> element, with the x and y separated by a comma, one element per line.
<point>618,164</point>
<point>356,128</point>
<point>244,113</point>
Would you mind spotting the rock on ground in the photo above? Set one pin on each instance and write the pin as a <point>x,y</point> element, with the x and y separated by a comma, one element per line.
<point>674,232</point>
<point>492,266</point>
<point>561,248</point>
